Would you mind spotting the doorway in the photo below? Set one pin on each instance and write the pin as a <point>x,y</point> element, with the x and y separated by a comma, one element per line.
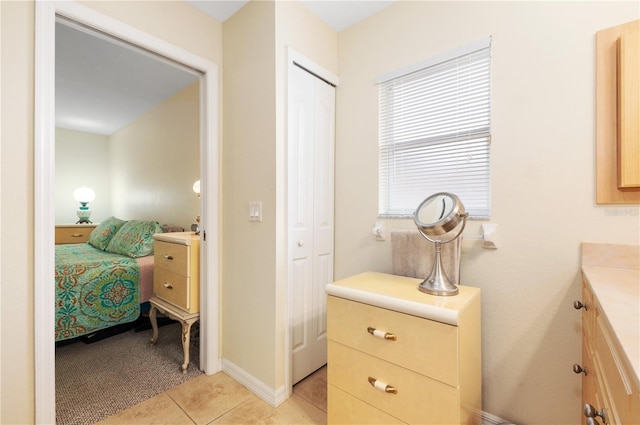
<point>44,154</point>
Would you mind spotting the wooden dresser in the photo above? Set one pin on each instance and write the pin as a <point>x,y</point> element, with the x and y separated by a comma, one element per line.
<point>610,340</point>
<point>73,233</point>
<point>176,283</point>
<point>397,355</point>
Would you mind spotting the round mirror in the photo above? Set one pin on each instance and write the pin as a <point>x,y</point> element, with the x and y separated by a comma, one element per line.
<point>439,214</point>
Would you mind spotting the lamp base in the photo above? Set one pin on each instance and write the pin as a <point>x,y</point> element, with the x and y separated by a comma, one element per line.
<point>83,213</point>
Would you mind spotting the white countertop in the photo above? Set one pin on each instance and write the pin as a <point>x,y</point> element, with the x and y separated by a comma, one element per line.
<point>618,292</point>
<point>401,294</point>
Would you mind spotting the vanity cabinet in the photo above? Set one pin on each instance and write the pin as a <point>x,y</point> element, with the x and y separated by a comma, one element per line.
<point>397,355</point>
<point>610,393</point>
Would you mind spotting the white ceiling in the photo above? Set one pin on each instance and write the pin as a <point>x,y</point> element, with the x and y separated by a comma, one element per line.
<point>102,85</point>
<point>339,15</point>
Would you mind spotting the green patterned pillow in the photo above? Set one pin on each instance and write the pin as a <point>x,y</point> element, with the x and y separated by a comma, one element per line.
<point>134,239</point>
<point>102,234</point>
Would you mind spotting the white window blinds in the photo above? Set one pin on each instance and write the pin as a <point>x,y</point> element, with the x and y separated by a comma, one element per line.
<point>435,133</point>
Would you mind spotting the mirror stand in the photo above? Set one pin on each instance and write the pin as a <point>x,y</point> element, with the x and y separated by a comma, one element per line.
<point>437,282</point>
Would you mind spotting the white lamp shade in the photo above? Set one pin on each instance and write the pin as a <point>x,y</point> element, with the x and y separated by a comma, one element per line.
<point>196,187</point>
<point>84,194</point>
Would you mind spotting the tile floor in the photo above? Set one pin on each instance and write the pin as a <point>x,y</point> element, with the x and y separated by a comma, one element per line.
<point>218,399</point>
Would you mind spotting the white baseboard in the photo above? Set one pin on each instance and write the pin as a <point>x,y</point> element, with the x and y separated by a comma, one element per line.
<point>265,392</point>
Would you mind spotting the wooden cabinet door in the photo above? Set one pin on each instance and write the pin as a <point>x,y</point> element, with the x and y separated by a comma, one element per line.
<point>617,111</point>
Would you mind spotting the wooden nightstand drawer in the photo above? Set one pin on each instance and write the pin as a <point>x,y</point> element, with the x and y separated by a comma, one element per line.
<point>427,347</point>
<point>73,233</point>
<point>347,409</point>
<point>171,257</point>
<point>176,276</point>
<point>172,287</point>
<point>418,399</point>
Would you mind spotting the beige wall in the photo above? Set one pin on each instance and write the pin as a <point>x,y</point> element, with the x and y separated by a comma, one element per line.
<point>543,179</point>
<point>143,171</point>
<point>156,159</point>
<point>248,260</point>
<point>16,214</point>
<point>82,159</point>
<point>176,22</point>
<point>254,162</point>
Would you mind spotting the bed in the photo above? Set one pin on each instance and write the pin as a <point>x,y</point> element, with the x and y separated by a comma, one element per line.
<point>102,283</point>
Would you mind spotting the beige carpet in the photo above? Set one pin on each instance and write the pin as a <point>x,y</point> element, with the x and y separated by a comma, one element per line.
<point>94,381</point>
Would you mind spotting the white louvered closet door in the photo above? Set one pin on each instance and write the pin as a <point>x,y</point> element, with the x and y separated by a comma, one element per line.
<point>311,206</point>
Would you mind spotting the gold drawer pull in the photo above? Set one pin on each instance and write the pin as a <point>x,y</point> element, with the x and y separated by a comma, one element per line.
<point>168,285</point>
<point>382,386</point>
<point>167,257</point>
<point>77,235</point>
<point>382,334</point>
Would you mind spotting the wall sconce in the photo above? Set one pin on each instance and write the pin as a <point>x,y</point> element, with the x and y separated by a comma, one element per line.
<point>196,226</point>
<point>196,188</point>
<point>84,195</point>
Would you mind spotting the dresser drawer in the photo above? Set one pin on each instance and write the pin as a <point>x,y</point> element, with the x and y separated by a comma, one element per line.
<point>621,392</point>
<point>427,347</point>
<point>343,408</point>
<point>588,314</point>
<point>418,400</point>
<point>172,257</point>
<point>172,287</point>
<point>591,377</point>
<point>73,234</point>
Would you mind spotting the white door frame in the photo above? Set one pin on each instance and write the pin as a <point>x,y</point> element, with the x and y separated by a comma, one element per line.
<point>44,181</point>
<point>293,58</point>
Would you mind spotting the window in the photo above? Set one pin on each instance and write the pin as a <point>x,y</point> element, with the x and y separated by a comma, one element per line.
<point>435,132</point>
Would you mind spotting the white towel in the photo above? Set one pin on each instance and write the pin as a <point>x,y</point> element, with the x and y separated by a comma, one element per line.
<point>413,255</point>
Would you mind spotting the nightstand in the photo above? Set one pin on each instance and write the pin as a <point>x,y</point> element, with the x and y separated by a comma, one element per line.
<point>73,233</point>
<point>176,283</point>
<point>397,355</point>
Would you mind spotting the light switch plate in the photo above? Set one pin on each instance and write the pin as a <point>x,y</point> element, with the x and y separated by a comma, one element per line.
<point>255,211</point>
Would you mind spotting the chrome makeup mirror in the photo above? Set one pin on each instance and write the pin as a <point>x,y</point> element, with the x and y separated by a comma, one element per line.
<point>436,217</point>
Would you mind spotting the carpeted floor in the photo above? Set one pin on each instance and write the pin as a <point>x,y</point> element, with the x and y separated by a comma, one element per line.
<point>94,381</point>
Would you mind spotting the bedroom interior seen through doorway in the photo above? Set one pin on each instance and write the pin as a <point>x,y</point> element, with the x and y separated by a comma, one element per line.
<point>127,126</point>
<point>145,105</point>
<point>47,13</point>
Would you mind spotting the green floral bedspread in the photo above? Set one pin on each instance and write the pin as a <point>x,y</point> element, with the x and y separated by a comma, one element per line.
<point>94,290</point>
